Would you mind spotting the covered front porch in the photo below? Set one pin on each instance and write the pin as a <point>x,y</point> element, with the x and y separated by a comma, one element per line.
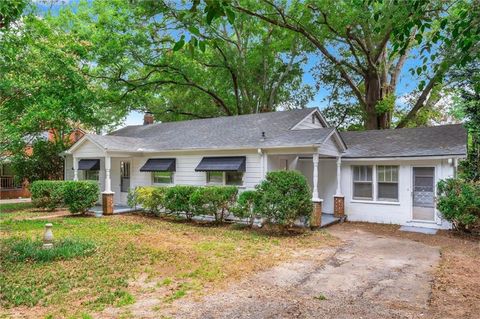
<point>322,169</point>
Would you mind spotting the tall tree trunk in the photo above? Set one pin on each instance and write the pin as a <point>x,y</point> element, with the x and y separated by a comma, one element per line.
<point>376,89</point>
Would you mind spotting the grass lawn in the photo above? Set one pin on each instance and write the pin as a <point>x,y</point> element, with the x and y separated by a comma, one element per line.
<point>126,257</point>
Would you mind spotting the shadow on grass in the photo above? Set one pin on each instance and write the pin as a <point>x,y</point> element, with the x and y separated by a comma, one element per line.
<point>267,230</point>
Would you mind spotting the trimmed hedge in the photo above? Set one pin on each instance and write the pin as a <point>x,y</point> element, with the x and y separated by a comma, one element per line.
<point>245,207</point>
<point>214,201</point>
<point>190,200</point>
<point>177,200</point>
<point>47,194</point>
<point>283,197</point>
<point>77,196</point>
<point>459,203</point>
<point>152,199</point>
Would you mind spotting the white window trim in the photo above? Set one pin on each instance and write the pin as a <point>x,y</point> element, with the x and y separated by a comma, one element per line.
<point>224,180</point>
<point>398,186</point>
<point>363,199</point>
<point>171,183</point>
<point>374,199</point>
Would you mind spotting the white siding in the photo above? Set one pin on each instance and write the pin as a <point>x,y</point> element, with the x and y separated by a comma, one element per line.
<point>396,212</point>
<point>307,123</point>
<point>185,170</point>
<point>88,149</point>
<point>330,147</point>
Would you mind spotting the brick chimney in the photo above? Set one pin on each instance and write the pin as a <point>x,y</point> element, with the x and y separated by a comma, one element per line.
<point>148,118</point>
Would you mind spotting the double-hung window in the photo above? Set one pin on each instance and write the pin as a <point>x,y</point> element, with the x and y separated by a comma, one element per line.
<point>387,183</point>
<point>363,182</point>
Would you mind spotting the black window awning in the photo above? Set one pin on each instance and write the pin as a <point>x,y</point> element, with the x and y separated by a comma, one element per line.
<point>222,164</point>
<point>89,164</point>
<point>159,165</point>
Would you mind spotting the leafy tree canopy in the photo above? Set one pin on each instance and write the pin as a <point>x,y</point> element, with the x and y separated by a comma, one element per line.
<point>364,46</point>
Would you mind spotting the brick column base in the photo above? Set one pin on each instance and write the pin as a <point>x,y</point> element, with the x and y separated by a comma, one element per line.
<point>316,218</point>
<point>107,203</point>
<point>339,206</point>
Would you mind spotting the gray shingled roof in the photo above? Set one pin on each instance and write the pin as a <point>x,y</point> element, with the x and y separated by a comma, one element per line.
<point>246,132</point>
<point>408,142</point>
<point>218,133</point>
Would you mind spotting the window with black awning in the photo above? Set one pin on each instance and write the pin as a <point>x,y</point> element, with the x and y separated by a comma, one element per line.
<point>89,164</point>
<point>159,165</point>
<point>222,164</point>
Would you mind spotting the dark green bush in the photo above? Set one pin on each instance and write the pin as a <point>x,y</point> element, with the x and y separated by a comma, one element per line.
<point>213,201</point>
<point>177,200</point>
<point>20,250</point>
<point>47,194</point>
<point>245,206</point>
<point>79,196</point>
<point>151,198</point>
<point>283,197</point>
<point>459,202</point>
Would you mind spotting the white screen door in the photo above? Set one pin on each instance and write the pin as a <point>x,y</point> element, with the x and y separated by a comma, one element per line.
<point>424,193</point>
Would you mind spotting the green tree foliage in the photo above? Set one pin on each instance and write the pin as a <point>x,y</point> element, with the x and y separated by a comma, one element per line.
<point>283,197</point>
<point>10,11</point>
<point>365,44</point>
<point>165,58</point>
<point>42,85</point>
<point>44,163</point>
<point>467,107</point>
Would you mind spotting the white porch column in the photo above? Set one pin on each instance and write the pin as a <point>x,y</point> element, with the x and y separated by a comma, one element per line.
<point>338,198</point>
<point>108,181</point>
<point>315,197</point>
<point>339,176</point>
<point>75,169</point>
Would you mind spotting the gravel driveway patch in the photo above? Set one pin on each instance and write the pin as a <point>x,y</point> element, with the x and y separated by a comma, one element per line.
<point>369,276</point>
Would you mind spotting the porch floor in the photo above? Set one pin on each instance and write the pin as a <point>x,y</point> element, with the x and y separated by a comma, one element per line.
<point>329,219</point>
<point>117,209</point>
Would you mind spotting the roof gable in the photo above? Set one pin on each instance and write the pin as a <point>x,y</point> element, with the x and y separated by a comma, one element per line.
<point>313,120</point>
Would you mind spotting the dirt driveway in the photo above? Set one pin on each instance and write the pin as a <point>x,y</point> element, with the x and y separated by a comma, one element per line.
<point>370,276</point>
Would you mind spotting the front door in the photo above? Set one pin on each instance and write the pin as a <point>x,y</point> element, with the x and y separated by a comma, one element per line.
<point>124,180</point>
<point>424,193</point>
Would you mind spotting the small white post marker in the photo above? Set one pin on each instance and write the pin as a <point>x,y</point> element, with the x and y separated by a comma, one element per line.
<point>48,236</point>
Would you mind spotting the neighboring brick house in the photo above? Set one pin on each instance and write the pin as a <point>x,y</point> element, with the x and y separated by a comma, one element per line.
<point>9,186</point>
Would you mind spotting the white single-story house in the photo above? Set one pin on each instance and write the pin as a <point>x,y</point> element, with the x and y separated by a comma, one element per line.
<point>384,176</point>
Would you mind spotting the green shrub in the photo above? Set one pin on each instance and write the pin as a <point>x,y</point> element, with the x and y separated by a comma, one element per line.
<point>151,198</point>
<point>177,200</point>
<point>213,201</point>
<point>283,197</point>
<point>20,250</point>
<point>245,207</point>
<point>459,202</point>
<point>47,194</point>
<point>79,196</point>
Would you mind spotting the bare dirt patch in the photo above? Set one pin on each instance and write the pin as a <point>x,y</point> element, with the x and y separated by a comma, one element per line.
<point>369,276</point>
<point>455,289</point>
